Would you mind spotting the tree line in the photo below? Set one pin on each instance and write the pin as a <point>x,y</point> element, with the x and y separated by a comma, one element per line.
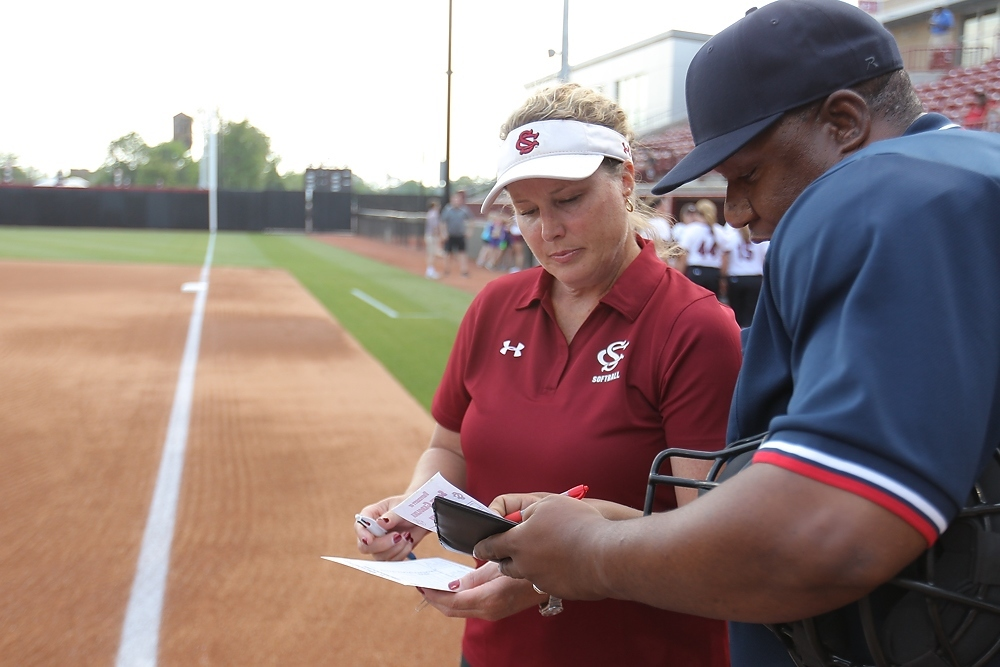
<point>246,162</point>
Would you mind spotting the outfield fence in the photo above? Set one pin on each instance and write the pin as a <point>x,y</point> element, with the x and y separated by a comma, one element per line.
<point>171,209</point>
<point>396,219</point>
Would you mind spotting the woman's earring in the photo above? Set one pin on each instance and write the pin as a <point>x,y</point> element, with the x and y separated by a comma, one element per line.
<point>628,205</point>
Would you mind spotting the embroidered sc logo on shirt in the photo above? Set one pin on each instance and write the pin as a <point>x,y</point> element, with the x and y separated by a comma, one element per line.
<point>609,358</point>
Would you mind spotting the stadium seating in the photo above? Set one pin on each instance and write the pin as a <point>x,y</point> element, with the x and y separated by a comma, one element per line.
<point>658,153</point>
<point>952,95</point>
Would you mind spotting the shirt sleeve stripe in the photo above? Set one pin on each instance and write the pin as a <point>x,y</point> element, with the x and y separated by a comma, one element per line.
<point>871,477</point>
<point>859,488</point>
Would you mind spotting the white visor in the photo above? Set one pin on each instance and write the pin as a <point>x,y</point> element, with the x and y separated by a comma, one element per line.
<point>564,149</point>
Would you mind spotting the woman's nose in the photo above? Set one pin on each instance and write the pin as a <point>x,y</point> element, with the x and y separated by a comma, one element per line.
<point>551,228</point>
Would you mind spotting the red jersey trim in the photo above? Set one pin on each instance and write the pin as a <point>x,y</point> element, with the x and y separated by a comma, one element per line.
<point>823,475</point>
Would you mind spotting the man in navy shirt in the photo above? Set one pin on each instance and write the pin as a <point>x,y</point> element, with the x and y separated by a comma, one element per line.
<point>873,363</point>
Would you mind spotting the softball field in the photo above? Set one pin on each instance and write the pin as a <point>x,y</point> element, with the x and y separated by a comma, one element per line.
<point>293,428</point>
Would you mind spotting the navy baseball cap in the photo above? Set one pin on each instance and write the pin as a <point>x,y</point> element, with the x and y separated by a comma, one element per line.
<point>776,58</point>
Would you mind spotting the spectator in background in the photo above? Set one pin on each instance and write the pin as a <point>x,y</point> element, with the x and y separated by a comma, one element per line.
<point>703,246</point>
<point>744,269</point>
<point>940,24</point>
<point>496,236</point>
<point>432,239</point>
<point>484,239</point>
<point>455,218</point>
<point>976,117</point>
<point>515,248</point>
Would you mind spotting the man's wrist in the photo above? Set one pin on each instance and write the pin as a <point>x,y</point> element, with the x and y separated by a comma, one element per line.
<point>602,560</point>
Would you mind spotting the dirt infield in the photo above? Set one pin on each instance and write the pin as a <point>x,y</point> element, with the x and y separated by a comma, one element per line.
<point>290,435</point>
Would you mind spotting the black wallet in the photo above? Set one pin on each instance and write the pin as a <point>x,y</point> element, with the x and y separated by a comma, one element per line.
<point>461,527</point>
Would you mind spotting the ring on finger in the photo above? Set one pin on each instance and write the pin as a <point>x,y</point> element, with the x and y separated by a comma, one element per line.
<point>538,590</point>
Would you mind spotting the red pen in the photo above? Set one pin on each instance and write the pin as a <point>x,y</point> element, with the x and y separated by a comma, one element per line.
<point>578,492</point>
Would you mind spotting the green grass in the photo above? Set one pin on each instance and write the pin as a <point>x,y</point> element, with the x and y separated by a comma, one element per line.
<point>102,245</point>
<point>413,347</point>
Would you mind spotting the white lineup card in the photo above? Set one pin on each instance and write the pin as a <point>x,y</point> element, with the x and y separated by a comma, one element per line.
<point>418,509</point>
<point>433,573</point>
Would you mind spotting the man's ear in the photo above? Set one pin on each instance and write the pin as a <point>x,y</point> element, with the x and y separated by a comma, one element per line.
<point>849,119</point>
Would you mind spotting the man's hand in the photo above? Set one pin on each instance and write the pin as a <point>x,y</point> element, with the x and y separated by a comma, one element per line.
<point>767,546</point>
<point>551,548</point>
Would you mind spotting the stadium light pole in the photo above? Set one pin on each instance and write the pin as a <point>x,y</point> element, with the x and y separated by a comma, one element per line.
<point>447,132</point>
<point>564,70</point>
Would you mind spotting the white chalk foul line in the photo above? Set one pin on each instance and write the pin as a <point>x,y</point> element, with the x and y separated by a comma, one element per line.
<point>141,631</point>
<point>375,303</point>
<point>387,311</point>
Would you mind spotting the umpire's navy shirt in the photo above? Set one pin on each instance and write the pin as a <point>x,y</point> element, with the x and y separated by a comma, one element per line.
<point>874,355</point>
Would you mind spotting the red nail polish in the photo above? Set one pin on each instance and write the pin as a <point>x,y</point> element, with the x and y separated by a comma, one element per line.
<point>408,537</point>
<point>419,590</point>
<point>396,538</point>
<point>364,540</point>
<point>384,519</point>
<point>453,586</point>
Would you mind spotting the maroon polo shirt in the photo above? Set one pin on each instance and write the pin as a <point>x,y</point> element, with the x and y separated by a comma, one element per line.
<point>652,367</point>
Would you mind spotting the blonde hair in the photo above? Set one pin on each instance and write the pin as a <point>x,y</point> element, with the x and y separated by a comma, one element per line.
<point>571,101</point>
<point>708,210</point>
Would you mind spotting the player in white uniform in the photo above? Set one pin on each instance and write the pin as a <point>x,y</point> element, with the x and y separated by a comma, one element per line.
<point>659,221</point>
<point>744,263</point>
<point>704,247</point>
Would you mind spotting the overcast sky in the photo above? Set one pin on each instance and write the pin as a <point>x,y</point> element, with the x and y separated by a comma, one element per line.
<point>359,84</point>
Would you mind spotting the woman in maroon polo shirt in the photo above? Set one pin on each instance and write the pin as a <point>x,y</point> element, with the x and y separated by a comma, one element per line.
<point>578,371</point>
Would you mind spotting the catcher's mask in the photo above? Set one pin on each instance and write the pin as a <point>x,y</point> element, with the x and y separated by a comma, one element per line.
<point>942,610</point>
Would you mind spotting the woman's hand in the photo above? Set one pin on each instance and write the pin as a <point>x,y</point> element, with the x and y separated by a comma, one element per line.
<point>443,455</point>
<point>512,502</point>
<point>400,538</point>
<point>485,593</point>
